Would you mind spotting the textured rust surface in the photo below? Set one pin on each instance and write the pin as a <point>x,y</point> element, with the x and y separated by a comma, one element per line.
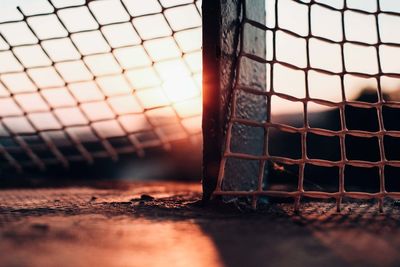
<point>160,224</point>
<point>249,106</point>
<point>222,42</point>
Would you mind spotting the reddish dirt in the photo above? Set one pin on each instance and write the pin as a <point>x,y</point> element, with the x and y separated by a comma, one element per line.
<point>158,224</point>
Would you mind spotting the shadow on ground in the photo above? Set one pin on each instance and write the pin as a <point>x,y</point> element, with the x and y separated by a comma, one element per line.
<point>159,224</point>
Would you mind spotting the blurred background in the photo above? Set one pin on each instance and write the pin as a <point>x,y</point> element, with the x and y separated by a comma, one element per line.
<point>86,84</point>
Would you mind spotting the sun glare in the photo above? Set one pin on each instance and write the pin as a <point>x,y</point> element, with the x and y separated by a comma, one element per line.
<point>112,67</point>
<point>181,89</point>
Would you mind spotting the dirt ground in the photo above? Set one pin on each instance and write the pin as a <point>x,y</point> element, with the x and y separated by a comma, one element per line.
<point>157,224</point>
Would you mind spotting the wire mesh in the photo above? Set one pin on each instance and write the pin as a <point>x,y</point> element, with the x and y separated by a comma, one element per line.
<point>356,41</point>
<point>80,80</point>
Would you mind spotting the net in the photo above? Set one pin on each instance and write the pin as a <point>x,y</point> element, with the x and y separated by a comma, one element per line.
<point>81,80</point>
<point>326,110</point>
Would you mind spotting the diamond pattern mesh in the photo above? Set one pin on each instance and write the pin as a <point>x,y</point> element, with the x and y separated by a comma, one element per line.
<point>86,79</point>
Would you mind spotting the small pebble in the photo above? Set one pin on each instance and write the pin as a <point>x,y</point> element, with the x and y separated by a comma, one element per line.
<point>142,198</point>
<point>145,197</point>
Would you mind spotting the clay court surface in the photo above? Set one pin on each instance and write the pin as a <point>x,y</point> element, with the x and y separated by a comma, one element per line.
<point>160,224</point>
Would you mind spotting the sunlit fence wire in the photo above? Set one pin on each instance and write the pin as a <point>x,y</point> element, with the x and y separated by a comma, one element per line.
<point>359,45</point>
<point>80,80</point>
